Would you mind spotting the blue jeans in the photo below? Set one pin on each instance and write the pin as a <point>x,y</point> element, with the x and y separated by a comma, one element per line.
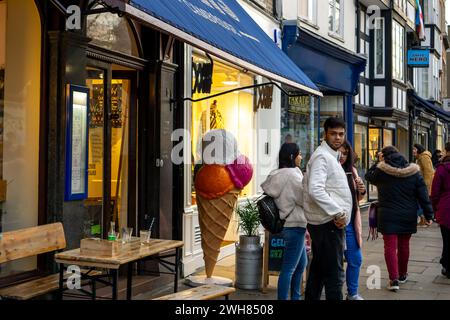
<point>354,260</point>
<point>294,263</point>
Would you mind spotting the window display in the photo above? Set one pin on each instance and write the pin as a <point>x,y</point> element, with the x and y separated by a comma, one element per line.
<point>232,112</point>
<point>299,125</point>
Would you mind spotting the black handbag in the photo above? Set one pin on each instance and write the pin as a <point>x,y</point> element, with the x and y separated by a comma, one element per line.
<point>270,215</point>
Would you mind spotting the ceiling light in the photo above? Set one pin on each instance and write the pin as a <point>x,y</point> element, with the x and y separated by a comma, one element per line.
<point>230,82</point>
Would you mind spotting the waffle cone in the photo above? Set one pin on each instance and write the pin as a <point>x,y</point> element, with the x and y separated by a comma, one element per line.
<point>214,217</point>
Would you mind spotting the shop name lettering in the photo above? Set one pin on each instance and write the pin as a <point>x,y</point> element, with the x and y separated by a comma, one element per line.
<point>264,97</point>
<point>278,244</point>
<point>202,77</point>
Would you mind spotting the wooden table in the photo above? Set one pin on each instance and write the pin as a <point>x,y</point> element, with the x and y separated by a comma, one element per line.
<point>152,250</point>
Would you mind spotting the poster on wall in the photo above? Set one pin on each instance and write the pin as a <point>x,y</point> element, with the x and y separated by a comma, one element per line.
<point>77,147</point>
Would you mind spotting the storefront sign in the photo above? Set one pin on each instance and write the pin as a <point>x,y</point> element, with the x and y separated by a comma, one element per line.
<point>299,105</point>
<point>263,97</point>
<point>362,119</point>
<point>419,58</point>
<point>203,73</point>
<point>77,147</point>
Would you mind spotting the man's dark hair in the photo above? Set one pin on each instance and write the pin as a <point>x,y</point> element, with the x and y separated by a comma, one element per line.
<point>420,148</point>
<point>333,123</point>
<point>447,146</point>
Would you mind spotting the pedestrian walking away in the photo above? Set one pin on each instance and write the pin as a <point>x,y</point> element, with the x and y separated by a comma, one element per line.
<point>285,186</point>
<point>353,231</point>
<point>440,199</point>
<point>424,160</point>
<point>328,207</point>
<point>400,187</point>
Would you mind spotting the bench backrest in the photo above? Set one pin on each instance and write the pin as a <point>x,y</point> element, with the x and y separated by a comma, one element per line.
<point>29,242</point>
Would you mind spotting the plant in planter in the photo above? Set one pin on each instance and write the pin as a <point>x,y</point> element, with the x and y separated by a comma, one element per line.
<point>249,252</point>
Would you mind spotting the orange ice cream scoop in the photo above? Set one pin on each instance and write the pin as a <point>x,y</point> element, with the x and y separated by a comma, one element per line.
<point>213,181</point>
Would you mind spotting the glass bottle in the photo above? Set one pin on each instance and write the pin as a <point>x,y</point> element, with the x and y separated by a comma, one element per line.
<point>112,232</point>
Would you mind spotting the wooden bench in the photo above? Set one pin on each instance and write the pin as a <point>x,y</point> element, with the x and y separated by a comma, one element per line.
<point>205,292</point>
<point>30,242</point>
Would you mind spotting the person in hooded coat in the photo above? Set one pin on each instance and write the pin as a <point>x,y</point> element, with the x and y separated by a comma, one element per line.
<point>400,187</point>
<point>285,186</point>
<point>440,199</point>
<point>424,160</point>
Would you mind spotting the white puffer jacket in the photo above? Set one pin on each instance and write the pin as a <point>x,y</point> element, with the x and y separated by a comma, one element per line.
<point>326,187</point>
<point>285,186</point>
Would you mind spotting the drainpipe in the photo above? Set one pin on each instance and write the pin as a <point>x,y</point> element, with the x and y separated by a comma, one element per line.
<point>358,26</point>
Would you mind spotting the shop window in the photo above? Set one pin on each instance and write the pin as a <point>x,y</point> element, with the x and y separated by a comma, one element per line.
<point>388,138</point>
<point>20,78</point>
<point>330,106</point>
<point>374,148</point>
<point>111,32</point>
<point>308,10</point>
<point>398,48</point>
<point>335,17</point>
<point>360,142</point>
<point>232,112</point>
<point>379,48</point>
<point>298,124</point>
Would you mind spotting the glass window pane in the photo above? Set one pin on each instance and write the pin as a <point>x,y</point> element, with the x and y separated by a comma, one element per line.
<point>112,32</point>
<point>20,93</point>
<point>94,202</point>
<point>232,112</point>
<point>120,108</point>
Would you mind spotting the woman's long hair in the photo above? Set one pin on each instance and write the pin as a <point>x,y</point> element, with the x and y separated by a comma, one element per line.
<point>287,155</point>
<point>351,156</point>
<point>348,166</point>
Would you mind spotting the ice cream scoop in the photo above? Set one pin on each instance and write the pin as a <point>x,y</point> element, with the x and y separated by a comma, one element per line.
<point>213,181</point>
<point>241,171</point>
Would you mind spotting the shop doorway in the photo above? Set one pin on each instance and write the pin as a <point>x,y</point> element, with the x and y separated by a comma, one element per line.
<point>112,152</point>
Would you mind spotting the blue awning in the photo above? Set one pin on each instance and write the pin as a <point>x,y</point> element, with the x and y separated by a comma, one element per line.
<point>224,29</point>
<point>419,102</point>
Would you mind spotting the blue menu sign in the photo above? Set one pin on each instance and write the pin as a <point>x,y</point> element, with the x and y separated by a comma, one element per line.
<point>419,58</point>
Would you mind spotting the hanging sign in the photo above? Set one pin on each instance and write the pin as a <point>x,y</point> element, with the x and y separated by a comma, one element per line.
<point>77,146</point>
<point>263,97</point>
<point>202,73</point>
<point>419,58</point>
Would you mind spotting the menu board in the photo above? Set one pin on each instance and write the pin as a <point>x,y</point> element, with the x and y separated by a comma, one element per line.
<point>76,151</point>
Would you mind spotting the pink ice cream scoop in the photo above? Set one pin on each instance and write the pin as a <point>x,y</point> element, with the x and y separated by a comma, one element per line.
<point>241,171</point>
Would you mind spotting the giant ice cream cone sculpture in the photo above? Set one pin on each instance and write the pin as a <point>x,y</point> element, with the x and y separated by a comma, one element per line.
<point>218,184</point>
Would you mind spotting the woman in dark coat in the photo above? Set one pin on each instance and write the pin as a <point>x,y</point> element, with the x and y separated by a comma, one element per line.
<point>400,186</point>
<point>440,198</point>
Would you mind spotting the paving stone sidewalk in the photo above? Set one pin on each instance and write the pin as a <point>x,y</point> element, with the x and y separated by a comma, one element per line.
<point>425,279</point>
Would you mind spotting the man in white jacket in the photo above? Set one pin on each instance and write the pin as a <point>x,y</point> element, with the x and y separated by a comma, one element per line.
<point>327,206</point>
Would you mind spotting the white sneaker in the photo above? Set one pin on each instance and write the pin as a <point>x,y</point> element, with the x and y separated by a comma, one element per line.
<point>355,297</point>
<point>393,285</point>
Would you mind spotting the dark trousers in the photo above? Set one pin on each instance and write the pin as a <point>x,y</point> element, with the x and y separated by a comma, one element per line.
<point>327,265</point>
<point>445,259</point>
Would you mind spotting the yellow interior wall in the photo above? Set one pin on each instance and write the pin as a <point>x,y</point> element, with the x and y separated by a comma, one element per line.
<point>21,114</point>
<point>2,33</point>
<point>21,119</point>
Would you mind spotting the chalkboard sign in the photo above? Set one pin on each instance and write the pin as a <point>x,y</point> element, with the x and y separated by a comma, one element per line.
<point>276,249</point>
